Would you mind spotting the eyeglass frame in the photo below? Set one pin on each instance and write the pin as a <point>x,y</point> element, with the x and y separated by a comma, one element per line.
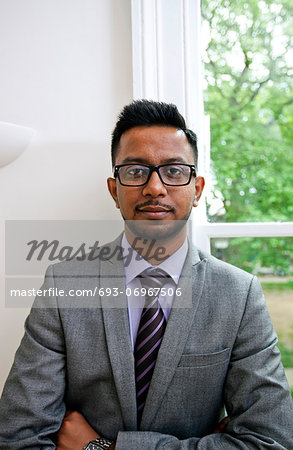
<point>154,168</point>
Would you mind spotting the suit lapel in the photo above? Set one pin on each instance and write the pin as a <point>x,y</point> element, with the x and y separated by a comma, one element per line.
<point>181,317</point>
<point>115,314</point>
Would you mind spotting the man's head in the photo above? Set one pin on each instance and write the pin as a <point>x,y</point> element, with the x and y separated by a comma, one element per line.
<point>149,113</point>
<point>155,184</point>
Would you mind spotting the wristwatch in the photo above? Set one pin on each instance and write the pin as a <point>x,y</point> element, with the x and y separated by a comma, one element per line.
<point>99,444</point>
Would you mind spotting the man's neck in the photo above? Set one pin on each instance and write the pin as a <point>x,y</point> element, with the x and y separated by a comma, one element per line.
<point>155,251</point>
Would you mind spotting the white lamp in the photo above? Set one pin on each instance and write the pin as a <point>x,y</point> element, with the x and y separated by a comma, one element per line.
<point>14,139</point>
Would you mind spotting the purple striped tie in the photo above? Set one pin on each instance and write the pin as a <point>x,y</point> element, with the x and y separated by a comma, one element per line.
<point>150,334</point>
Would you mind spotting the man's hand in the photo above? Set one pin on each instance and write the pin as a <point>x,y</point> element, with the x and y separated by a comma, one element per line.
<point>220,428</point>
<point>75,432</point>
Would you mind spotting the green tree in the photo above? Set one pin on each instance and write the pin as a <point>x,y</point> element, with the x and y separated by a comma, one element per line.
<point>249,97</point>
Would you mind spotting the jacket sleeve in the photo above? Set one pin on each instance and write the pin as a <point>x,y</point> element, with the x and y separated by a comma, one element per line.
<point>32,405</point>
<point>256,393</point>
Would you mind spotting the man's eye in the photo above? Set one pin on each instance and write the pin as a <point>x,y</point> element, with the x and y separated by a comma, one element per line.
<point>174,171</point>
<point>135,172</point>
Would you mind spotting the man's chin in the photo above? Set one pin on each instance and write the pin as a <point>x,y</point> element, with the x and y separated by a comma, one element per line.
<point>158,230</point>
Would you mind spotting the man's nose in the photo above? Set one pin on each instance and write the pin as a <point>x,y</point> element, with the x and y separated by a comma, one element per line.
<point>155,187</point>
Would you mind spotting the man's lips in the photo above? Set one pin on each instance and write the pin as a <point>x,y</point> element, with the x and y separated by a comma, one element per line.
<point>154,211</point>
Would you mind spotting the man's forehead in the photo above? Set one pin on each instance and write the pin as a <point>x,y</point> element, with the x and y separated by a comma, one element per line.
<point>153,132</point>
<point>154,144</point>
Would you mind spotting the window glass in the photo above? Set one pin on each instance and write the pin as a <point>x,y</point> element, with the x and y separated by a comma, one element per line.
<point>260,256</point>
<point>248,95</point>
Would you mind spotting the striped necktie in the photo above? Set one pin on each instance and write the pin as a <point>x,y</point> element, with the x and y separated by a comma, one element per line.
<point>150,334</point>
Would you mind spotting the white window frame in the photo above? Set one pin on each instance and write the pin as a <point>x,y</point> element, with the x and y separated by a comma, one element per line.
<point>166,56</point>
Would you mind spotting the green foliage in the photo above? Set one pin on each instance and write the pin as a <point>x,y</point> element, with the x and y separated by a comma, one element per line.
<point>277,286</point>
<point>286,355</point>
<point>249,97</point>
<point>255,254</point>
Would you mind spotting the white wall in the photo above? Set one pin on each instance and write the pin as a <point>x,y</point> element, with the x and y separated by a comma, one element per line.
<point>66,72</point>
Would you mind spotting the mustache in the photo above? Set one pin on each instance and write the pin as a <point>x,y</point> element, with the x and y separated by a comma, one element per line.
<point>154,203</point>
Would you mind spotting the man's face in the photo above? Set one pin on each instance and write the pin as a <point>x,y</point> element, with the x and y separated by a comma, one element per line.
<point>163,209</point>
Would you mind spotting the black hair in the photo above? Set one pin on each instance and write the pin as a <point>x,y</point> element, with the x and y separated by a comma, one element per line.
<point>150,113</point>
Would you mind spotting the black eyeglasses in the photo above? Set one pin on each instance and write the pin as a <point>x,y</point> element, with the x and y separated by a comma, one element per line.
<point>139,174</point>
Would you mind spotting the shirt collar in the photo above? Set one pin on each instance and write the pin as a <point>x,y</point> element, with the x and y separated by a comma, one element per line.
<point>136,264</point>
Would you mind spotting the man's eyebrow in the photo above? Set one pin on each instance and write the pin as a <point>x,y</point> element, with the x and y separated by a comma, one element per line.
<point>134,160</point>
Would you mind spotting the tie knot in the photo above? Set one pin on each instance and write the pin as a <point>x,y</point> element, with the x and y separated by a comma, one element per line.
<point>153,277</point>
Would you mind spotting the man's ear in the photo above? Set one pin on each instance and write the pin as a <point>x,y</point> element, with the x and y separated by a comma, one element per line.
<point>199,185</point>
<point>112,188</point>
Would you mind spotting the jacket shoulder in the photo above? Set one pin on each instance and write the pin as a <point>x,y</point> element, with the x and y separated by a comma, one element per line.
<point>225,271</point>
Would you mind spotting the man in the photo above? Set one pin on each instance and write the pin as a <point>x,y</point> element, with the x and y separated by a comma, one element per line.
<point>157,369</point>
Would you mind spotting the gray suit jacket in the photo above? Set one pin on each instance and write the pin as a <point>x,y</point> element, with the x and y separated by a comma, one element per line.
<point>218,352</point>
